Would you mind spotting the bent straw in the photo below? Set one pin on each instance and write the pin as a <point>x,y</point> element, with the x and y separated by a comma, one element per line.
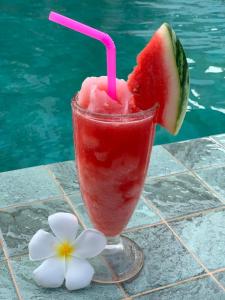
<point>103,37</point>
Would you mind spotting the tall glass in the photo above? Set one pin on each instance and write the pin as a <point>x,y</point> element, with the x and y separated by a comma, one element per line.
<point>112,157</point>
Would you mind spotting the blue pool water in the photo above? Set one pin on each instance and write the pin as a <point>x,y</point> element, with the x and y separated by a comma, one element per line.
<point>42,65</point>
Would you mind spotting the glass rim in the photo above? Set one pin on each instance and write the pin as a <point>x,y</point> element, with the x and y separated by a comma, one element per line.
<point>150,112</point>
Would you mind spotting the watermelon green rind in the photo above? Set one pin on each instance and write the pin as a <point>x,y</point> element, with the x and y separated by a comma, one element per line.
<point>183,73</point>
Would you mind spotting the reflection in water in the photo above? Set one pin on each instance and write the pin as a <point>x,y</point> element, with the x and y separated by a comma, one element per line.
<point>195,104</point>
<point>222,110</point>
<point>42,66</point>
<point>213,69</point>
<point>190,60</point>
<point>196,94</point>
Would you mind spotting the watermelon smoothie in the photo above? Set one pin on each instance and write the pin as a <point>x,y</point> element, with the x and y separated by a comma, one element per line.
<point>114,125</point>
<point>113,142</point>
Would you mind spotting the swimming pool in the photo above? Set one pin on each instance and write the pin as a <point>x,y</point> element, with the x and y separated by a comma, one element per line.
<point>42,66</point>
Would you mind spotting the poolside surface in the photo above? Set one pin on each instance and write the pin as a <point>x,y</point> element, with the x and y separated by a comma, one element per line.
<point>179,223</point>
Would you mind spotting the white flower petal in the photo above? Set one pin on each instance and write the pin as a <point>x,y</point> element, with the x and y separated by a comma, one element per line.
<point>89,243</point>
<point>64,225</point>
<point>42,245</point>
<point>50,274</point>
<point>79,274</point>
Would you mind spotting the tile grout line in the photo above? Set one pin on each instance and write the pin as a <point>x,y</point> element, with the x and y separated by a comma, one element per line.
<point>160,178</point>
<point>190,215</point>
<point>177,283</point>
<point>119,286</point>
<point>189,250</point>
<point>199,168</point>
<point>195,214</point>
<point>173,219</point>
<point>217,142</point>
<point>30,202</point>
<point>213,166</point>
<point>218,270</point>
<point>150,177</point>
<point>18,255</point>
<point>206,185</point>
<point>127,230</point>
<point>10,268</point>
<point>209,189</point>
<point>147,201</point>
<point>67,199</point>
<point>187,170</point>
<point>159,288</point>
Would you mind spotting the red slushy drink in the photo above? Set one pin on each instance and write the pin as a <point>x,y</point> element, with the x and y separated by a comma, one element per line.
<point>113,141</point>
<point>114,124</point>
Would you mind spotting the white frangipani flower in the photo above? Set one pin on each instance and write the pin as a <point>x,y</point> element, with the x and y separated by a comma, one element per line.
<point>64,254</point>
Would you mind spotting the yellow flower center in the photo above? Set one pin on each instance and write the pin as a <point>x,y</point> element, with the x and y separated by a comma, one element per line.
<point>64,250</point>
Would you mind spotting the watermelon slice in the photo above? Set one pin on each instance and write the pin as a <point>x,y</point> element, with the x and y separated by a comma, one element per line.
<point>161,76</point>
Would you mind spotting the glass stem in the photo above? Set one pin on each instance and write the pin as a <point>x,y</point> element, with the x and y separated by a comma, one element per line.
<point>114,244</point>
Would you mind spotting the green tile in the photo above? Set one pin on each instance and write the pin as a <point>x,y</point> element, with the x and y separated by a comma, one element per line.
<point>166,260</point>
<point>80,208</point>
<point>220,138</point>
<point>215,178</point>
<point>179,195</point>
<point>198,289</point>
<point>205,235</point>
<point>23,269</point>
<point>221,277</point>
<point>142,215</point>
<point>7,290</point>
<point>26,184</point>
<point>162,163</point>
<point>197,153</point>
<point>65,173</point>
<point>2,257</point>
<point>19,224</point>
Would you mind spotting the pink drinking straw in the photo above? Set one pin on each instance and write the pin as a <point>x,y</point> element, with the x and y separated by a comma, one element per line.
<point>103,37</point>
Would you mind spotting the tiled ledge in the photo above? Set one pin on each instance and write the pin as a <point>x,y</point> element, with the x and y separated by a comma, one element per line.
<point>179,223</point>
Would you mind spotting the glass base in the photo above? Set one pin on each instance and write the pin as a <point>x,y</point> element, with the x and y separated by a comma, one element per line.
<point>121,260</point>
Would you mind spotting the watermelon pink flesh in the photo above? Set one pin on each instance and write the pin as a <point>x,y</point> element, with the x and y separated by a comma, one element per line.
<point>93,97</point>
<point>161,76</point>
